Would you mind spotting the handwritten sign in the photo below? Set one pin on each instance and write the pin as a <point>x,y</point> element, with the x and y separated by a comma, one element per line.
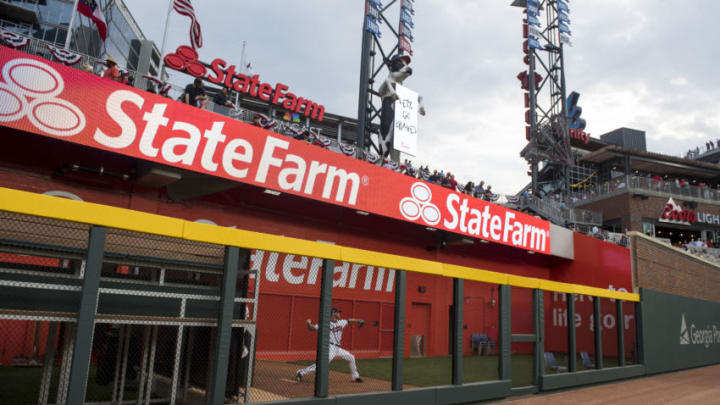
<point>406,120</point>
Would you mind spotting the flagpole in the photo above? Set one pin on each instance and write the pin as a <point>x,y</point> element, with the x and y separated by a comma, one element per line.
<point>242,59</point>
<point>70,27</point>
<point>164,42</point>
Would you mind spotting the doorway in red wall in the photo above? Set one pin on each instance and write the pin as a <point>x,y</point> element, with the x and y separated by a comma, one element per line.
<point>418,328</point>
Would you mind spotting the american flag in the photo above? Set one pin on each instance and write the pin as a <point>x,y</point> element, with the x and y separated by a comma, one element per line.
<point>183,7</point>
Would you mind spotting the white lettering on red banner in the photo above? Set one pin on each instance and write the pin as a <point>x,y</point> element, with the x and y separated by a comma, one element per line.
<point>107,115</point>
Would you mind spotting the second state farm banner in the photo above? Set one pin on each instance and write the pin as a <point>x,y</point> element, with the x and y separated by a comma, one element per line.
<point>53,100</point>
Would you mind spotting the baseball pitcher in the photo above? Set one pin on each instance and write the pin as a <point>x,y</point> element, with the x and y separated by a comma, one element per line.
<point>336,330</point>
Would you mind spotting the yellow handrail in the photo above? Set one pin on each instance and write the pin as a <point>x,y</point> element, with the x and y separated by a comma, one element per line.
<point>23,202</point>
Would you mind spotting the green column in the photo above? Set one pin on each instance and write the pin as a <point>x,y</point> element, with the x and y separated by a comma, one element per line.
<point>457,356</point>
<point>597,326</point>
<point>86,317</point>
<point>505,332</point>
<point>216,390</point>
<point>620,332</point>
<point>323,342</point>
<point>572,347</point>
<point>399,330</point>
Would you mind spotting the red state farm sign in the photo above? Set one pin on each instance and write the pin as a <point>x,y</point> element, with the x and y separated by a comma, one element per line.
<point>49,99</point>
<point>185,59</point>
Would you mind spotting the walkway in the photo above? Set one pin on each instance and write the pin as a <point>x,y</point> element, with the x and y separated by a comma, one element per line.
<point>698,386</point>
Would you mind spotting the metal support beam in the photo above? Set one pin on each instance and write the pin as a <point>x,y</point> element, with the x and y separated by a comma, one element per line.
<point>143,364</point>
<point>572,342</point>
<point>64,378</point>
<point>457,355</point>
<point>505,329</point>
<point>364,86</point>
<point>151,365</point>
<point>86,317</point>
<point>399,330</point>
<point>218,381</point>
<point>50,344</point>
<point>538,354</point>
<point>178,354</point>
<point>620,332</point>
<point>323,340</point>
<point>123,372</point>
<point>597,327</point>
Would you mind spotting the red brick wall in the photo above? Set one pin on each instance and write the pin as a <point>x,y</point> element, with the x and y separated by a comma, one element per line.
<point>660,267</point>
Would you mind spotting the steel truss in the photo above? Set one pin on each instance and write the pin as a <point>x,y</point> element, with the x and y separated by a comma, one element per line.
<point>547,131</point>
<point>370,102</point>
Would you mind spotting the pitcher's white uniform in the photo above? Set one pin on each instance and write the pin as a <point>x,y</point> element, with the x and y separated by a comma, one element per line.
<point>336,330</point>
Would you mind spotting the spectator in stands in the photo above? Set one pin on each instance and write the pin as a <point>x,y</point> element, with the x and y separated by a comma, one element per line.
<point>86,67</point>
<point>469,188</point>
<point>195,93</point>
<point>479,189</point>
<point>435,177</point>
<point>112,71</point>
<point>488,194</point>
<point>450,182</point>
<point>223,98</point>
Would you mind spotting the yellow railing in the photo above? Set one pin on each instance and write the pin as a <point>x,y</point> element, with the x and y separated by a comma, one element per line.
<point>23,202</point>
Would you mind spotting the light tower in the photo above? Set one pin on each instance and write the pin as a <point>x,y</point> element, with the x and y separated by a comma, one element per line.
<point>545,92</point>
<point>375,61</point>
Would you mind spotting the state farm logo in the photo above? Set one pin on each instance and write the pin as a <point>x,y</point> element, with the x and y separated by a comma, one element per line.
<point>30,88</point>
<point>186,59</point>
<point>420,205</point>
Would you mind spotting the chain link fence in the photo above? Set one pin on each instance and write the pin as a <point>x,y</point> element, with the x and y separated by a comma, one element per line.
<point>156,335</point>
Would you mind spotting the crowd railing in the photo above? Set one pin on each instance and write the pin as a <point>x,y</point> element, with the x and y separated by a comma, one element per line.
<point>645,184</point>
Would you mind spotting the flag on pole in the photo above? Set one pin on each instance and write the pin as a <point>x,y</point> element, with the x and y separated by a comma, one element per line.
<point>249,70</point>
<point>92,10</point>
<point>183,7</point>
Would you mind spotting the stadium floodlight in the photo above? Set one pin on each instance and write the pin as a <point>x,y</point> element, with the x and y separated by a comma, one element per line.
<point>272,192</point>
<point>362,212</point>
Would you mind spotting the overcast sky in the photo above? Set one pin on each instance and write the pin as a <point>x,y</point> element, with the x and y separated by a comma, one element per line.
<point>648,65</point>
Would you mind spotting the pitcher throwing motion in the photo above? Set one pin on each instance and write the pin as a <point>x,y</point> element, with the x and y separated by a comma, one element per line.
<point>336,330</point>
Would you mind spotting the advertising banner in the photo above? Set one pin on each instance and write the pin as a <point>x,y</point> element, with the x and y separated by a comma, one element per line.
<point>679,332</point>
<point>49,99</point>
<point>406,121</point>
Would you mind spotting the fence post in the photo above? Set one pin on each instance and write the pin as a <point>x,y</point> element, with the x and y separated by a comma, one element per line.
<point>457,355</point>
<point>539,357</point>
<point>572,351</point>
<point>223,333</point>
<point>86,317</point>
<point>597,325</point>
<point>323,341</point>
<point>505,329</point>
<point>620,332</point>
<point>399,330</point>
